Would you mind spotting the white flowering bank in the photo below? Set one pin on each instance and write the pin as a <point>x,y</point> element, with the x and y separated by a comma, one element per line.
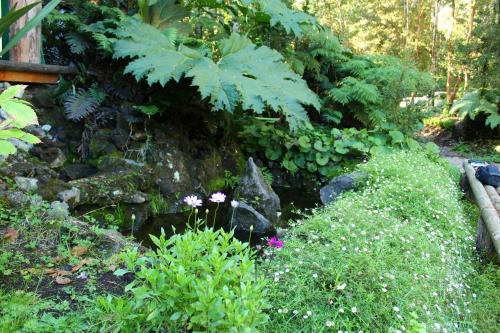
<point>397,256</point>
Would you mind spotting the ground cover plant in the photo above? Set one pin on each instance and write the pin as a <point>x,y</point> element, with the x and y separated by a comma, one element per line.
<point>396,256</point>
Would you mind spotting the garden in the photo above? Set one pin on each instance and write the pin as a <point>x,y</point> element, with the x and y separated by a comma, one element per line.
<point>246,166</point>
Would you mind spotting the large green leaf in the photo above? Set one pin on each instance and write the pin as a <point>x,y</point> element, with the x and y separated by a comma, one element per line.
<point>30,25</point>
<point>254,77</point>
<point>6,148</point>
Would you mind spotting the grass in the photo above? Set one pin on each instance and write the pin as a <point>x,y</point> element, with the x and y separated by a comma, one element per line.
<point>396,256</point>
<point>486,150</point>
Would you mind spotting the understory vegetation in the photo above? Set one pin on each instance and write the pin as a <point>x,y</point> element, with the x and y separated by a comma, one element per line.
<point>397,256</point>
<point>116,182</point>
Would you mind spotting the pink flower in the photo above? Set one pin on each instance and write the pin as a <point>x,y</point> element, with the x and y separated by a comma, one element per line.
<point>275,242</point>
<point>218,197</point>
<point>193,201</point>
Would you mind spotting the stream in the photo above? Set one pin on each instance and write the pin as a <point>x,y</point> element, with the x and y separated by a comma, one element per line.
<point>294,203</point>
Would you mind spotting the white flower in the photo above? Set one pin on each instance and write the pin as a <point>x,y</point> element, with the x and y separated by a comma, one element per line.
<point>315,275</point>
<point>309,313</point>
<point>342,286</point>
<point>329,323</point>
<point>234,203</point>
<point>341,310</point>
<point>193,201</point>
<point>218,197</point>
<point>354,309</point>
<point>396,309</point>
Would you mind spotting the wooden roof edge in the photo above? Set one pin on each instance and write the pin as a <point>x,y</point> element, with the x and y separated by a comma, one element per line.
<point>36,68</point>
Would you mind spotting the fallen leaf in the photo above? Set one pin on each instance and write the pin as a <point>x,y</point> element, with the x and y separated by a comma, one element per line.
<point>60,272</point>
<point>112,268</point>
<point>79,250</point>
<point>62,280</point>
<point>78,266</point>
<point>11,235</point>
<point>50,271</point>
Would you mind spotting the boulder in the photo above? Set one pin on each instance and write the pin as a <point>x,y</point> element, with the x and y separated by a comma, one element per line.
<point>254,190</point>
<point>27,184</point>
<point>341,184</point>
<point>77,171</point>
<point>244,219</point>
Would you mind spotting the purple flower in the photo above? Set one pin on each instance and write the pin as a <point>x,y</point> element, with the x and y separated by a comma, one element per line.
<point>275,242</point>
<point>218,197</point>
<point>193,201</point>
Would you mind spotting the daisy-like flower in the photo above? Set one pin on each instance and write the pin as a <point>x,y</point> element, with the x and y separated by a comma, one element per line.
<point>329,323</point>
<point>354,309</point>
<point>218,197</point>
<point>193,201</point>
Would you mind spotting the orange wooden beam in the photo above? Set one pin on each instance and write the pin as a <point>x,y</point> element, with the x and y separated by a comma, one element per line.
<point>28,77</point>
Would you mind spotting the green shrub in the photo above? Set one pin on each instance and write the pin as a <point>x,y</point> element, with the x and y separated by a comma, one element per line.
<point>200,281</point>
<point>395,256</point>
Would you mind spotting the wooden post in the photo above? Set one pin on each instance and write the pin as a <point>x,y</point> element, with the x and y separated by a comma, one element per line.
<point>29,48</point>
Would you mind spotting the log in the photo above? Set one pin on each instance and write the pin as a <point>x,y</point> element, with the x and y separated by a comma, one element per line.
<point>29,48</point>
<point>489,214</point>
<point>33,73</point>
<point>6,65</point>
<point>494,197</point>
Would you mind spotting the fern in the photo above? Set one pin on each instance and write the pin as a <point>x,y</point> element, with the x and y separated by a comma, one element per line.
<point>355,90</point>
<point>479,101</point>
<point>77,43</point>
<point>246,75</point>
<point>81,104</point>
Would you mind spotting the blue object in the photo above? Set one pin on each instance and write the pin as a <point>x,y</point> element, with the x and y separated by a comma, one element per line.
<point>488,175</point>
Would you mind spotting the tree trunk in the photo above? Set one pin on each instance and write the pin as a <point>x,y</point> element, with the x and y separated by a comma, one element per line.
<point>449,75</point>
<point>435,38</point>
<point>29,48</point>
<point>419,31</point>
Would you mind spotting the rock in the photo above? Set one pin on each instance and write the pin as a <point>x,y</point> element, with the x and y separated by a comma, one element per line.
<point>27,184</point>
<point>243,217</point>
<point>46,128</point>
<point>254,190</point>
<point>21,145</point>
<point>77,171</point>
<point>136,198</point>
<point>71,196</point>
<point>58,160</point>
<point>341,184</point>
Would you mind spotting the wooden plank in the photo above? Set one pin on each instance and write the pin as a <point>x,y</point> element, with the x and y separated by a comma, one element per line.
<point>29,48</point>
<point>28,67</point>
<point>28,77</point>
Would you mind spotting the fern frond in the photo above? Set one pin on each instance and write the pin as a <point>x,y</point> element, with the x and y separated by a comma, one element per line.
<point>77,43</point>
<point>352,89</point>
<point>79,105</point>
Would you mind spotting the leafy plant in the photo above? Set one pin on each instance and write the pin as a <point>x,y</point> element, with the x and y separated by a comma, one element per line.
<point>479,101</point>
<point>203,280</point>
<point>246,75</point>
<point>82,103</point>
<point>16,114</point>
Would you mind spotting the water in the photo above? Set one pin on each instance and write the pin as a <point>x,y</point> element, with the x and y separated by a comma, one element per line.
<point>294,202</point>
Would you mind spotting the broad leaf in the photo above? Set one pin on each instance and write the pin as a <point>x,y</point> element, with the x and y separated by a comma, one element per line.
<point>254,77</point>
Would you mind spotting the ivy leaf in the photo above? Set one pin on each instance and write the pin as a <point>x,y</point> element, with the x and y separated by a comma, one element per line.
<point>322,159</point>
